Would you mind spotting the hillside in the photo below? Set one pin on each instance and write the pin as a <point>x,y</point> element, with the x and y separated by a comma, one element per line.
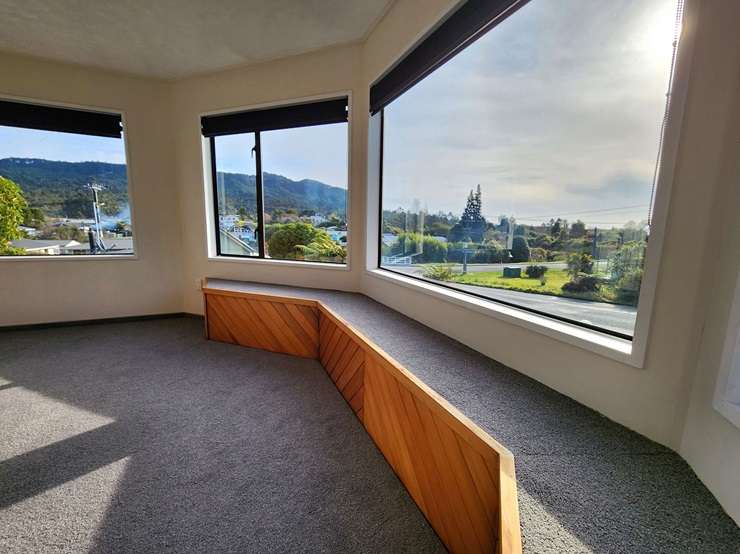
<point>238,191</point>
<point>58,188</point>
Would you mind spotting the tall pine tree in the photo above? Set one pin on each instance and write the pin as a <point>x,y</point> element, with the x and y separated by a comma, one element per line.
<point>472,224</point>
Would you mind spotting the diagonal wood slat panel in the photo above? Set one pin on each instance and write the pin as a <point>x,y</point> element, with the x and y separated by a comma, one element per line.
<point>344,361</point>
<point>453,483</point>
<point>273,326</point>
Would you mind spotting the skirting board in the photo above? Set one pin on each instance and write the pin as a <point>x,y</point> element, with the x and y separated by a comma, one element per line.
<point>123,319</point>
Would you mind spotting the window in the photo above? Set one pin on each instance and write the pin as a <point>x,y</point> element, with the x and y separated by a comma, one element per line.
<point>280,182</point>
<point>63,182</point>
<point>522,168</point>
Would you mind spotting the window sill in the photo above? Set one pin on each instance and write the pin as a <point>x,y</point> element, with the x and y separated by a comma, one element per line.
<point>282,263</point>
<point>610,347</point>
<point>84,258</point>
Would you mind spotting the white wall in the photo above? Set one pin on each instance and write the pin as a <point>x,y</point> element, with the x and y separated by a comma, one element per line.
<point>711,444</point>
<point>318,73</point>
<point>33,291</point>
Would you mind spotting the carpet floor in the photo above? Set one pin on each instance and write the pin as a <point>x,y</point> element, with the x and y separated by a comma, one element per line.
<point>145,437</point>
<point>585,483</point>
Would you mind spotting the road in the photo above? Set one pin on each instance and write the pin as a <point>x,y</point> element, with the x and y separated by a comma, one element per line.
<point>607,316</point>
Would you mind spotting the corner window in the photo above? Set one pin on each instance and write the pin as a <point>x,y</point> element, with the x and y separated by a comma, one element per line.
<point>63,182</point>
<point>519,155</point>
<point>280,182</point>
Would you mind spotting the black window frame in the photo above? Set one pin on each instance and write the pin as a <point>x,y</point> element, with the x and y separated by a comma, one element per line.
<point>289,116</point>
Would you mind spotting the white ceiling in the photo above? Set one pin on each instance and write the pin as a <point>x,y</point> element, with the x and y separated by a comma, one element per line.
<point>175,38</point>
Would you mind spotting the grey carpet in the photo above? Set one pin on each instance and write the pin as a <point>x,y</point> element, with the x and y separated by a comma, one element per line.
<point>585,483</point>
<point>144,437</point>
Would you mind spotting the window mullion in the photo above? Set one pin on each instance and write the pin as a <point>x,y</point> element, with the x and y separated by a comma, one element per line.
<point>214,178</point>
<point>260,197</point>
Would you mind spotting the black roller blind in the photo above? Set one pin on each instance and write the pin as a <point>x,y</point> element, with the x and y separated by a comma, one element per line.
<point>65,120</point>
<point>463,27</point>
<point>283,117</point>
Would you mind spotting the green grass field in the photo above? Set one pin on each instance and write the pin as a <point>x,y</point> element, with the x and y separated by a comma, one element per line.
<point>554,280</point>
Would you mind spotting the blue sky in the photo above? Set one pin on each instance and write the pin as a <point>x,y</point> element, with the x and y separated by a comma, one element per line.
<point>49,145</point>
<point>318,153</point>
<point>553,115</point>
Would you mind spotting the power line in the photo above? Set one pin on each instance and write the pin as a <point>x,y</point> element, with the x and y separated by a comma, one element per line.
<point>584,212</point>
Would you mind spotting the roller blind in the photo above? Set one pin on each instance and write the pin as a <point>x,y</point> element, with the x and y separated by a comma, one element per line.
<point>283,117</point>
<point>460,29</point>
<point>65,120</point>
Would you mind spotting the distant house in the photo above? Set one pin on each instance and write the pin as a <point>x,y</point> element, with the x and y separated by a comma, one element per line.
<point>336,234</point>
<point>317,219</point>
<point>44,247</point>
<point>228,221</point>
<point>389,238</point>
<point>29,231</point>
<point>124,245</point>
<point>233,245</point>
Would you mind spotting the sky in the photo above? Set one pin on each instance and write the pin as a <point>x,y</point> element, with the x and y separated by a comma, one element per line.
<point>553,115</point>
<point>318,152</point>
<point>67,147</point>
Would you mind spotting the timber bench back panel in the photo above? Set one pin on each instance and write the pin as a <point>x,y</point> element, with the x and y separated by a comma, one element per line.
<point>461,479</point>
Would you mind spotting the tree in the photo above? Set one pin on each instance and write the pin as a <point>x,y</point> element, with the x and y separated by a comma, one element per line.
<point>472,225</point>
<point>555,227</point>
<point>33,217</point>
<point>300,241</point>
<point>578,230</point>
<point>12,211</point>
<point>322,248</point>
<point>628,258</point>
<point>519,250</point>
<point>283,239</point>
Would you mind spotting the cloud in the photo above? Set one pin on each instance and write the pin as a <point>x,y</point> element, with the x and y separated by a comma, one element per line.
<point>547,112</point>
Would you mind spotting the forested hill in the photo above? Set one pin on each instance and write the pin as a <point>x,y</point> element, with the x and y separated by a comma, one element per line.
<point>59,188</point>
<point>238,191</point>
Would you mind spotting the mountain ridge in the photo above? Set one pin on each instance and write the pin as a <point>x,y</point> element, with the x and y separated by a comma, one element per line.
<point>58,188</point>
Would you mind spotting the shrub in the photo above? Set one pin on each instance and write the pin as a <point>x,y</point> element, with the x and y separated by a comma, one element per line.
<point>428,249</point>
<point>322,248</point>
<point>439,272</point>
<point>578,263</point>
<point>627,259</point>
<point>582,283</point>
<point>301,241</point>
<point>537,254</point>
<point>628,287</point>
<point>519,250</point>
<point>284,238</point>
<point>535,271</point>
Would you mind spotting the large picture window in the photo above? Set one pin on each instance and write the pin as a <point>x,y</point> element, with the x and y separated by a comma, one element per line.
<point>280,182</point>
<point>522,168</point>
<point>63,182</point>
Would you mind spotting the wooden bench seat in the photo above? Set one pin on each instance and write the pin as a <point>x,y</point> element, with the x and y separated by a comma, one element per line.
<point>460,477</point>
